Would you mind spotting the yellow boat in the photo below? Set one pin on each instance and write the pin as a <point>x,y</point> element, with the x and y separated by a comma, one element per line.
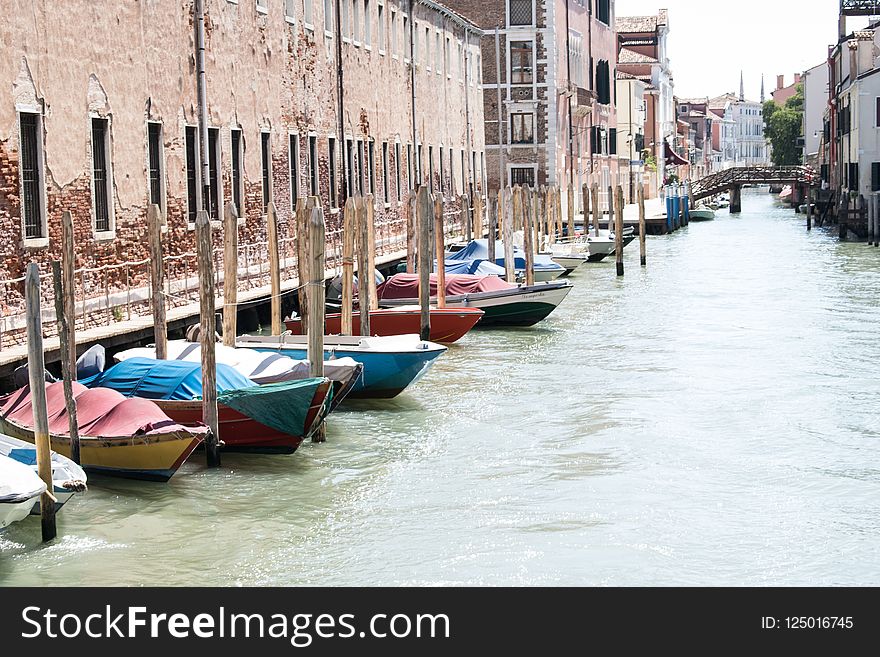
<point>122,437</point>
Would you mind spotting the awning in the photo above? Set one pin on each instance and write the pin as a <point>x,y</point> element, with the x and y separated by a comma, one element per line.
<point>672,158</point>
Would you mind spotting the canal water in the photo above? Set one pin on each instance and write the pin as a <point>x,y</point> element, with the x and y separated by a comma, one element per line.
<point>712,420</point>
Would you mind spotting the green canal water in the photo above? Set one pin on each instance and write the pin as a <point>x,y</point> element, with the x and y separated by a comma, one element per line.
<point>710,420</point>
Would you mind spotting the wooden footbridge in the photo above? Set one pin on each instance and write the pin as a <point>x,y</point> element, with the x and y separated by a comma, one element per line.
<point>734,179</point>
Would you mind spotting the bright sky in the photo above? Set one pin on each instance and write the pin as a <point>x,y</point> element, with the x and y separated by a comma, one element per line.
<point>710,42</point>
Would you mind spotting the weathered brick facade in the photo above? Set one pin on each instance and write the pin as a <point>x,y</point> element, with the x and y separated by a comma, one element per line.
<point>132,62</point>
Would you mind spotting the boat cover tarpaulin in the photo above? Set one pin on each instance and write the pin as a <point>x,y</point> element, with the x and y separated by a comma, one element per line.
<point>165,379</point>
<point>99,412</point>
<point>18,482</point>
<point>479,250</point>
<point>474,267</point>
<point>406,286</point>
<point>283,406</point>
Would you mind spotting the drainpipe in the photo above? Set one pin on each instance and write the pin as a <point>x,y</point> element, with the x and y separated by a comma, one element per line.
<point>590,77</point>
<point>467,116</point>
<point>412,82</point>
<point>501,150</point>
<point>568,95</point>
<point>340,107</point>
<point>202,91</point>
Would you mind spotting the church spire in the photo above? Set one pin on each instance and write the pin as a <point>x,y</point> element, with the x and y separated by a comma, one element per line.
<point>742,89</point>
<point>762,89</point>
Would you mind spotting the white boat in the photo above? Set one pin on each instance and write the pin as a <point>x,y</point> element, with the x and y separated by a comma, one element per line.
<point>67,477</point>
<point>702,213</point>
<point>20,488</point>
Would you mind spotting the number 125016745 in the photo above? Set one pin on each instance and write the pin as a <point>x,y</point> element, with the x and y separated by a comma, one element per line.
<point>807,623</point>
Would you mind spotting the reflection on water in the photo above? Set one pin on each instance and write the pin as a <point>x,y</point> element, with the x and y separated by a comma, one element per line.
<point>709,420</point>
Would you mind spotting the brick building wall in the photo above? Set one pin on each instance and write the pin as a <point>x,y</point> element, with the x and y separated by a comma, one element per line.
<point>132,62</point>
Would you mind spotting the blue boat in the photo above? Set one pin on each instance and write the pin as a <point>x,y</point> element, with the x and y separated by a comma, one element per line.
<point>391,364</point>
<point>478,251</point>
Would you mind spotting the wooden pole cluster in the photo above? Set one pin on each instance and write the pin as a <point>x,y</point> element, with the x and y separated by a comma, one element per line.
<point>207,332</point>
<point>157,281</point>
<point>315,276</point>
<point>230,274</point>
<point>642,247</point>
<point>36,370</point>
<point>466,217</point>
<point>439,250</point>
<point>425,212</point>
<point>618,230</point>
<point>64,293</point>
<point>274,268</point>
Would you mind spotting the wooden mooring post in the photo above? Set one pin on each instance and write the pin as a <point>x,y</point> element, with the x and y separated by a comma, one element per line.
<point>594,197</point>
<point>37,380</point>
<point>207,339</point>
<point>157,281</point>
<point>494,209</point>
<point>439,250</point>
<point>570,195</point>
<point>315,278</point>
<point>371,251</point>
<point>510,201</point>
<point>274,269</point>
<point>349,219</point>
<point>363,258</point>
<point>478,215</point>
<point>425,215</point>
<point>528,245</point>
<point>68,370</point>
<point>230,274</point>
<point>643,258</point>
<point>411,232</point>
<point>68,285</point>
<point>302,250</point>
<point>618,230</point>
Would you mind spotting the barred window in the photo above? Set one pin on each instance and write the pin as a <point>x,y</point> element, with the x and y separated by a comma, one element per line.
<point>192,163</point>
<point>236,171</point>
<point>101,184</point>
<point>522,176</point>
<point>520,12</point>
<point>31,172</point>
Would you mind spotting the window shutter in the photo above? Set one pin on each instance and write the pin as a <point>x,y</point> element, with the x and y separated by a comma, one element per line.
<point>875,176</point>
<point>612,141</point>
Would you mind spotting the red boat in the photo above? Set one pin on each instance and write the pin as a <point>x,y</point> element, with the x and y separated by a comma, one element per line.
<point>447,324</point>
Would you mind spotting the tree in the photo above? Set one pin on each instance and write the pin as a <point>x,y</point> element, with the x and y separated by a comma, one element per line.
<point>782,126</point>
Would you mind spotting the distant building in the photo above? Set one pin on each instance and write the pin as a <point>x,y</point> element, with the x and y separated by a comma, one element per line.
<point>554,94</point>
<point>642,53</point>
<point>815,81</point>
<point>631,117</point>
<point>696,112</point>
<point>746,117</point>
<point>783,93</point>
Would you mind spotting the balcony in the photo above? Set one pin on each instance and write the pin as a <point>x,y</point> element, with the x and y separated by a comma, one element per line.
<point>582,101</point>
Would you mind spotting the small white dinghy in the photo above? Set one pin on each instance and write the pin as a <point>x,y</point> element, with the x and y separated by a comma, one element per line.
<point>67,477</point>
<point>20,488</point>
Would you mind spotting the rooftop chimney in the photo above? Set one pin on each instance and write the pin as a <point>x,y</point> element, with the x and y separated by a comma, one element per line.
<point>780,82</point>
<point>797,78</point>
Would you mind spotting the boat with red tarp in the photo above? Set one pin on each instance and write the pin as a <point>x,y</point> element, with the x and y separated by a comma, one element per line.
<point>118,436</point>
<point>503,303</point>
<point>447,324</point>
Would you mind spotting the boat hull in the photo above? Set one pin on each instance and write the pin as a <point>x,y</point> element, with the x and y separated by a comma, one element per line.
<point>447,324</point>
<point>241,433</point>
<point>701,215</point>
<point>11,512</point>
<point>524,306</point>
<point>387,373</point>
<point>151,457</point>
